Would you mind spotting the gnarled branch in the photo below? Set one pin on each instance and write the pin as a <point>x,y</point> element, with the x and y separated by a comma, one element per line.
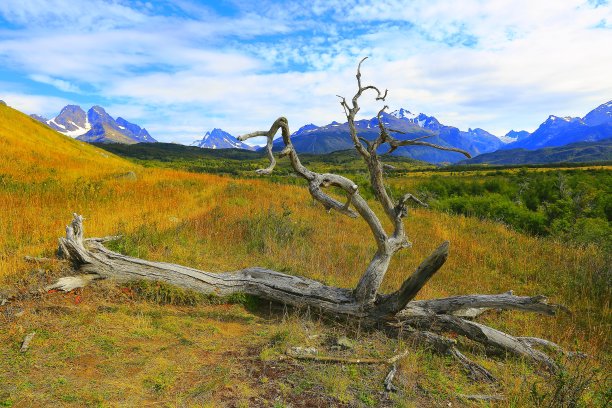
<point>395,311</point>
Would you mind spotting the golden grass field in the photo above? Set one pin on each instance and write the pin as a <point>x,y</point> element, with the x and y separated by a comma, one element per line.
<point>108,346</point>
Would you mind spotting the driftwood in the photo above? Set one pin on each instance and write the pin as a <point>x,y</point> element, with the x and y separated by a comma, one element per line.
<point>396,312</point>
<point>311,354</point>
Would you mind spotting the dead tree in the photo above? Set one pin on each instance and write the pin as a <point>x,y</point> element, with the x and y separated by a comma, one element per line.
<point>425,320</point>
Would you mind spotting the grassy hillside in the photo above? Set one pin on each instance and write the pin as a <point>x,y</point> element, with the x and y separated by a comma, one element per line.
<point>139,345</point>
<point>45,176</point>
<point>582,152</point>
<point>32,151</point>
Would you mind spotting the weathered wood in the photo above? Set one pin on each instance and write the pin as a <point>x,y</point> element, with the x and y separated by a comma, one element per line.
<point>394,311</point>
<point>387,244</point>
<point>311,354</point>
<point>444,345</point>
<point>506,301</point>
<point>390,305</point>
<point>388,383</point>
<point>98,262</point>
<point>485,335</point>
<point>69,283</point>
<point>481,397</point>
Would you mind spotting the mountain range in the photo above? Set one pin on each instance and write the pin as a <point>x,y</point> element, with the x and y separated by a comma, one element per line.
<point>96,126</point>
<point>580,152</point>
<point>559,131</point>
<point>335,136</point>
<point>220,139</point>
<point>554,132</point>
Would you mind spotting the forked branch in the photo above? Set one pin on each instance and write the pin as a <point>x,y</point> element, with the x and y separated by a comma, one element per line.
<point>393,312</point>
<point>387,243</point>
<point>94,261</point>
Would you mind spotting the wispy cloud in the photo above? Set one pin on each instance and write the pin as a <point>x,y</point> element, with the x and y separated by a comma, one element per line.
<point>180,67</point>
<point>60,84</point>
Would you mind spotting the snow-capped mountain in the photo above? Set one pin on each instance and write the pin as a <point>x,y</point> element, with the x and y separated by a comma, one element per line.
<point>559,131</point>
<point>403,114</point>
<point>335,136</point>
<point>220,139</point>
<point>421,120</point>
<point>71,121</point>
<point>599,115</point>
<point>513,136</point>
<point>96,125</point>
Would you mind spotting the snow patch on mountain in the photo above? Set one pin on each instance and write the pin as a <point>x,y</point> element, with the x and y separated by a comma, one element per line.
<point>220,139</point>
<point>403,114</point>
<point>95,125</point>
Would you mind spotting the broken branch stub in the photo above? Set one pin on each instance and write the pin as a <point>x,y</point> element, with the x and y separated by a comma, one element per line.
<point>393,312</point>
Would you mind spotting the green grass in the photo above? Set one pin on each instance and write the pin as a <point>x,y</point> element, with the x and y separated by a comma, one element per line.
<point>142,343</point>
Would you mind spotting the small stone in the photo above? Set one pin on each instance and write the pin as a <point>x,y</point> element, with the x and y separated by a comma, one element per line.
<point>26,342</point>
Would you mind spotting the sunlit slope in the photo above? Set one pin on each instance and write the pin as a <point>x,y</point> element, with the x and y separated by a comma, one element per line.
<point>222,224</point>
<point>30,150</point>
<point>45,176</point>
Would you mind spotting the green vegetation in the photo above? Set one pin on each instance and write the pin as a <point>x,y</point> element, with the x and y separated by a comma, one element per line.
<point>582,152</point>
<point>572,205</point>
<point>242,163</point>
<point>151,344</point>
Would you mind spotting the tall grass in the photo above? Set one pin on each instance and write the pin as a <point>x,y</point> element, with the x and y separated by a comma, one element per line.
<point>220,224</point>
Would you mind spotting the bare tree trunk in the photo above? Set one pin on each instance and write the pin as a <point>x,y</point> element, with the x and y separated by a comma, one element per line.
<point>395,312</point>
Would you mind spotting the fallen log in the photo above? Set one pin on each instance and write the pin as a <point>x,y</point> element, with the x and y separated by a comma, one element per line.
<point>395,312</point>
<point>94,261</point>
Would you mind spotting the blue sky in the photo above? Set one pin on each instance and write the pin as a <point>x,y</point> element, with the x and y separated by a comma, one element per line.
<point>183,67</point>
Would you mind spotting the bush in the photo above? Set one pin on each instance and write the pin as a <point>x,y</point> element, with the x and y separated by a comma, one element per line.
<point>573,385</point>
<point>574,205</point>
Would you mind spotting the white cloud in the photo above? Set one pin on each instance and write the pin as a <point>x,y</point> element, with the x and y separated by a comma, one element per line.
<point>60,84</point>
<point>92,14</point>
<point>491,64</point>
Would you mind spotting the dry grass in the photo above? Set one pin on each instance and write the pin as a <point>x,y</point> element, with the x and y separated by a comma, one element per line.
<point>179,356</point>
